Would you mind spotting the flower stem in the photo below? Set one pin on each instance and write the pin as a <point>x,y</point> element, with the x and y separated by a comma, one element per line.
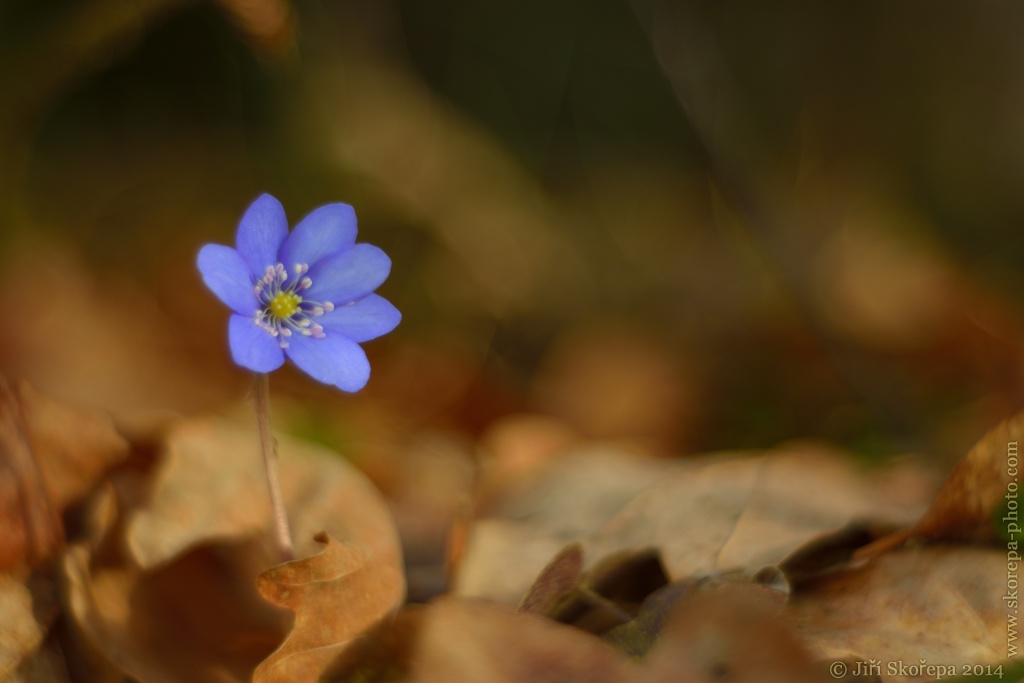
<point>267,445</point>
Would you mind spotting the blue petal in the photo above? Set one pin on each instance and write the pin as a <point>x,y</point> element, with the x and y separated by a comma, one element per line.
<point>260,233</point>
<point>350,275</point>
<point>327,230</point>
<point>252,347</point>
<point>334,359</point>
<point>225,273</point>
<point>362,320</point>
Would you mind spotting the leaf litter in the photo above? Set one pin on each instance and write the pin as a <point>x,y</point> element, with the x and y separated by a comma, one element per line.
<point>753,566</point>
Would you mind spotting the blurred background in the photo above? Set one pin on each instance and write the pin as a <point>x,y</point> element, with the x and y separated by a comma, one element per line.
<point>681,226</point>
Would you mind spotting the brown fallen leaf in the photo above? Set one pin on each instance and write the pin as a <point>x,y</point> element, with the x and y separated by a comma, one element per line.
<point>45,664</point>
<point>336,596</point>
<point>555,582</point>
<point>466,639</point>
<point>163,586</point>
<point>711,515</point>
<point>210,487</point>
<point>27,610</point>
<point>823,553</point>
<point>731,633</point>
<point>197,618</point>
<point>568,500</point>
<point>940,604</point>
<point>382,653</point>
<point>986,479</point>
<point>741,514</point>
<point>476,640</point>
<point>611,595</point>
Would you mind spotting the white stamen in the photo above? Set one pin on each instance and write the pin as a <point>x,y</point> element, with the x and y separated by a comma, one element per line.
<point>271,287</point>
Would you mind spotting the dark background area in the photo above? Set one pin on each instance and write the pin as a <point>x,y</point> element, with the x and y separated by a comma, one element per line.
<point>693,225</point>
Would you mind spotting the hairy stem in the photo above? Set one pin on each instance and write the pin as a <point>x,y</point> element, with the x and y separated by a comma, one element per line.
<point>284,536</point>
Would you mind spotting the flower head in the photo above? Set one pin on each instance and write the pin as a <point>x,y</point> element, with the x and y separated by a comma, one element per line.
<point>307,295</point>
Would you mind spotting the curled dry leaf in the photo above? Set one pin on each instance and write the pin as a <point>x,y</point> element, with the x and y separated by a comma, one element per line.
<point>941,604</point>
<point>336,595</point>
<point>965,508</point>
<point>164,588</point>
<point>555,582</point>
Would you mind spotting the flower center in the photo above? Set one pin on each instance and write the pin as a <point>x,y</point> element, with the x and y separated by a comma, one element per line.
<point>284,305</point>
<point>282,311</point>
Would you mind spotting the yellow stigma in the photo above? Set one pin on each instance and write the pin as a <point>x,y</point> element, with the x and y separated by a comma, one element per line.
<point>284,305</point>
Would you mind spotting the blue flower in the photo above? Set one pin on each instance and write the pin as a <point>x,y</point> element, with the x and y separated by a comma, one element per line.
<point>307,295</point>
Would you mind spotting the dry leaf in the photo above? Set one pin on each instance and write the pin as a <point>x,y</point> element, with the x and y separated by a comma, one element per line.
<point>555,582</point>
<point>25,619</point>
<point>336,596</point>
<point>164,587</point>
<point>195,619</point>
<point>742,514</point>
<point>569,500</point>
<point>731,633</point>
<point>942,604</point>
<point>210,486</point>
<point>966,506</point>
<point>475,640</point>
<point>45,664</point>
<point>465,639</point>
<point>822,554</point>
<point>383,653</point>
<point>707,516</point>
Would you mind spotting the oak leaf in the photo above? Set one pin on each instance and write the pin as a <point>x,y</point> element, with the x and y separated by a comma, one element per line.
<point>336,595</point>
<point>942,604</point>
<point>985,479</point>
